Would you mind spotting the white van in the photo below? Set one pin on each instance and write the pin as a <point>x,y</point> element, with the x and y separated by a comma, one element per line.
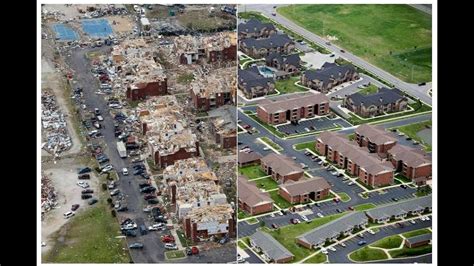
<point>68,214</point>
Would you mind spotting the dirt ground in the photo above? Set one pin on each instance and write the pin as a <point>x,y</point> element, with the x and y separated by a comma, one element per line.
<point>122,23</point>
<point>64,177</point>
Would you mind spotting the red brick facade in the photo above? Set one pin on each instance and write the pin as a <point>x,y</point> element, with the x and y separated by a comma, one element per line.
<point>205,104</point>
<point>279,178</point>
<point>191,232</point>
<point>266,207</point>
<point>292,115</point>
<point>181,154</point>
<point>227,54</point>
<point>419,174</point>
<point>302,198</point>
<point>155,88</point>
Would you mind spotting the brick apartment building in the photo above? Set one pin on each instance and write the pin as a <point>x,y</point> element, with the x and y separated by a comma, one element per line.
<point>253,84</point>
<point>293,109</point>
<point>412,163</point>
<point>142,90</point>
<point>248,158</point>
<point>281,168</point>
<point>203,223</point>
<point>205,99</point>
<point>276,43</point>
<point>304,190</point>
<point>253,28</point>
<point>287,63</point>
<point>329,76</point>
<point>375,138</point>
<point>384,101</point>
<point>368,167</point>
<point>251,199</point>
<point>226,54</point>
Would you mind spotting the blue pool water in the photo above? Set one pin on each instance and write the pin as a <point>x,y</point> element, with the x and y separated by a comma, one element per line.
<point>265,71</point>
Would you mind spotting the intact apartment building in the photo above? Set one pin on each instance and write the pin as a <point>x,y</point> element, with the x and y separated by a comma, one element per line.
<point>328,76</point>
<point>384,101</point>
<point>281,168</point>
<point>166,129</point>
<point>251,199</point>
<point>375,138</point>
<point>253,84</point>
<point>294,108</point>
<point>253,28</point>
<point>290,64</point>
<point>303,191</point>
<point>368,167</point>
<point>275,43</point>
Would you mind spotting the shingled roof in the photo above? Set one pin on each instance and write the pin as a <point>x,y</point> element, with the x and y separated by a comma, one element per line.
<point>246,157</point>
<point>328,72</point>
<point>293,59</point>
<point>254,25</point>
<point>306,186</point>
<point>250,194</point>
<point>384,96</point>
<point>404,207</point>
<point>251,77</point>
<point>276,40</point>
<point>298,101</point>
<point>269,246</point>
<point>375,134</point>
<point>281,164</point>
<point>410,156</point>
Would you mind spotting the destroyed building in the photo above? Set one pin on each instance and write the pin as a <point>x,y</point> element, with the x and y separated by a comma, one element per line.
<point>212,89</point>
<point>165,128</point>
<point>54,125</point>
<point>223,126</point>
<point>210,221</point>
<point>138,69</point>
<point>213,48</point>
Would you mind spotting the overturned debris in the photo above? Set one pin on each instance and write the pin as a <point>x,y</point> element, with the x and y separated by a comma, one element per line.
<point>54,125</point>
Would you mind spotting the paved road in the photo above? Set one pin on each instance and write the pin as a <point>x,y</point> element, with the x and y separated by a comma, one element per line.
<point>340,255</point>
<point>412,89</point>
<point>154,249</point>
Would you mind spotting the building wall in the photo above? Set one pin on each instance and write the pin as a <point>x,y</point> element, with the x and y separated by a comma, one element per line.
<point>155,88</point>
<point>302,198</point>
<point>418,244</point>
<point>303,243</point>
<point>376,180</point>
<point>228,142</point>
<point>181,154</point>
<point>284,260</point>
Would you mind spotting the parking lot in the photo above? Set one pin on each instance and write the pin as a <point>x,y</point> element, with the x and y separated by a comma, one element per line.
<point>315,124</point>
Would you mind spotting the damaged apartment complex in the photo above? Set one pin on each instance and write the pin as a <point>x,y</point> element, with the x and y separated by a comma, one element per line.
<point>214,48</point>
<point>166,130</point>
<point>198,200</point>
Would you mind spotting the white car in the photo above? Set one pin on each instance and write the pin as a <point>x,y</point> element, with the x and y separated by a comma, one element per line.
<point>130,226</point>
<point>156,227</point>
<point>412,222</point>
<point>324,251</point>
<point>107,168</point>
<point>427,218</point>
<point>82,184</point>
<point>171,246</point>
<point>321,162</point>
<point>320,215</point>
<point>331,248</point>
<point>371,232</point>
<point>342,244</point>
<point>304,218</point>
<point>125,171</point>
<point>423,218</point>
<point>68,214</point>
<point>272,215</point>
<point>266,148</point>
<point>114,192</point>
<point>100,118</point>
<point>334,173</point>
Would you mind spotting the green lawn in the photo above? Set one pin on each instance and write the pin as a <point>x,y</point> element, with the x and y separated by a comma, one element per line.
<point>319,258</point>
<point>364,207</point>
<point>363,184</point>
<point>371,89</point>
<point>368,254</point>
<point>408,252</point>
<point>185,78</point>
<point>403,178</point>
<point>286,235</point>
<point>288,85</point>
<point>252,221</point>
<point>306,145</point>
<point>416,232</point>
<point>412,129</point>
<point>242,215</point>
<point>251,172</point>
<point>175,254</point>
<point>344,197</point>
<point>267,126</point>
<point>89,237</point>
<point>254,15</point>
<point>182,238</point>
<point>242,61</point>
<point>279,200</point>
<point>389,242</point>
<point>241,245</point>
<point>271,143</point>
<point>396,38</point>
<point>266,183</point>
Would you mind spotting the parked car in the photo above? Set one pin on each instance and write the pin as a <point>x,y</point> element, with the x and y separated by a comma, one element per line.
<point>362,242</point>
<point>92,201</point>
<point>412,222</point>
<point>136,246</point>
<point>74,207</point>
<point>84,176</point>
<point>84,170</point>
<point>342,244</point>
<point>394,199</point>
<point>122,209</point>
<point>304,218</point>
<point>153,201</point>
<point>320,215</point>
<point>82,184</point>
<point>143,185</point>
<point>87,191</point>
<point>68,214</point>
<point>129,232</point>
<point>192,251</point>
<point>148,189</point>
<point>149,196</point>
<point>143,230</point>
<point>274,226</point>
<point>371,231</point>
<point>125,171</point>
<point>403,186</point>
<point>351,208</point>
<point>332,248</point>
<point>324,250</point>
<point>111,185</point>
<point>171,246</point>
<point>167,239</point>
<point>114,192</point>
<point>86,196</point>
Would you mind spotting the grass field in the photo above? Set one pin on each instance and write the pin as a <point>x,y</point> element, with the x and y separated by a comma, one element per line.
<point>389,242</point>
<point>319,258</point>
<point>271,143</point>
<point>371,89</point>
<point>200,20</point>
<point>368,254</point>
<point>286,235</point>
<point>412,129</point>
<point>185,78</point>
<point>90,238</point>
<point>279,200</point>
<point>267,126</point>
<point>266,183</point>
<point>175,254</point>
<point>396,38</point>
<point>288,85</point>
<point>306,145</point>
<point>343,196</point>
<point>416,233</point>
<point>252,171</point>
<point>365,206</point>
<point>409,252</point>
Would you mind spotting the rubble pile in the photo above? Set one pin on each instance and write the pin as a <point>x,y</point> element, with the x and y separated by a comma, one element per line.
<point>54,125</point>
<point>48,194</point>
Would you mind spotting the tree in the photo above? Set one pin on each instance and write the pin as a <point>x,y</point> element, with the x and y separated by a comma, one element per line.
<point>104,186</point>
<point>109,200</point>
<point>262,223</point>
<point>113,213</point>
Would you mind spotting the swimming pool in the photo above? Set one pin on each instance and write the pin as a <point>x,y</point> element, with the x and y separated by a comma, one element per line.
<point>266,72</point>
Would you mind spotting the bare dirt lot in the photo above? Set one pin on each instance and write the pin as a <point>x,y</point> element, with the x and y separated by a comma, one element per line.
<point>63,175</point>
<point>122,23</point>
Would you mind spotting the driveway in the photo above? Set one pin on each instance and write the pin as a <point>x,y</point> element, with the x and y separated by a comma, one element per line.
<point>316,59</point>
